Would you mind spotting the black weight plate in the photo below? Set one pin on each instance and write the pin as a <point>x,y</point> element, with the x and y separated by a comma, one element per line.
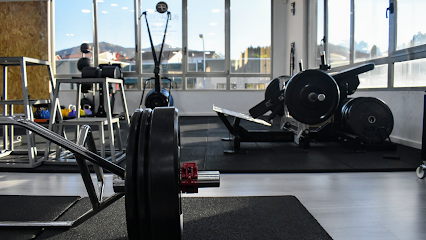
<point>297,93</point>
<point>369,118</point>
<point>143,151</point>
<point>163,175</point>
<point>131,186</point>
<point>272,88</point>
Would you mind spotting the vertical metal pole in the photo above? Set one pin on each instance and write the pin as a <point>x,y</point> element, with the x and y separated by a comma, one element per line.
<point>109,120</point>
<point>204,61</point>
<point>352,34</point>
<point>228,43</point>
<point>95,34</point>
<point>272,40</point>
<point>327,54</point>
<point>423,151</point>
<point>393,22</point>
<point>5,127</point>
<point>124,102</point>
<point>32,150</point>
<point>138,42</point>
<point>184,43</point>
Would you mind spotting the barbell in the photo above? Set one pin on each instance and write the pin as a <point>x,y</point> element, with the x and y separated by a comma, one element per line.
<point>152,181</point>
<point>154,178</point>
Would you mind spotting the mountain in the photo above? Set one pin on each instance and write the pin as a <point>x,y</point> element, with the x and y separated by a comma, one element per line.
<point>103,47</point>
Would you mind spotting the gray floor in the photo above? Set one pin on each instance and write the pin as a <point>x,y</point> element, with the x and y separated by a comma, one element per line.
<point>386,205</point>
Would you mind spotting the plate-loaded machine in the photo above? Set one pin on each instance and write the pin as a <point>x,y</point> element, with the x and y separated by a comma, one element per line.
<point>314,106</point>
<point>152,180</point>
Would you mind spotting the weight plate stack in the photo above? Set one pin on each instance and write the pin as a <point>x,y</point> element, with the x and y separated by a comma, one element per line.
<point>369,118</point>
<point>163,175</point>
<point>152,181</point>
<point>312,96</point>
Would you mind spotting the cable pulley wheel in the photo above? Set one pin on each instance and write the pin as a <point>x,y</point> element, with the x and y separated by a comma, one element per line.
<point>312,96</point>
<point>369,118</point>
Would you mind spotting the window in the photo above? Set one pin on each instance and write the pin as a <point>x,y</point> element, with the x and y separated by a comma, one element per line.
<point>171,61</point>
<point>411,28</point>
<point>211,53</point>
<point>217,83</point>
<point>339,22</point>
<point>394,41</point>
<point>250,36</point>
<point>249,83</point>
<point>376,78</point>
<point>116,33</point>
<point>73,26</point>
<point>206,36</point>
<point>410,73</point>
<point>371,30</point>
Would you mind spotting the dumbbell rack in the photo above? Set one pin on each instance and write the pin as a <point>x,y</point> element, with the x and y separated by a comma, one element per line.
<point>111,122</point>
<point>8,130</point>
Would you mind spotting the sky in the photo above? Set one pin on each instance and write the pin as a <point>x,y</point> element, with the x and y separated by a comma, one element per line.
<point>116,24</point>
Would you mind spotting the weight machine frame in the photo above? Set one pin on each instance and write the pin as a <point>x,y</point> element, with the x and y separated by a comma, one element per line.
<point>292,130</point>
<point>82,154</point>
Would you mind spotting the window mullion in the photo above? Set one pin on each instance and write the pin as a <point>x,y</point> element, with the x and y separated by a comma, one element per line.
<point>228,43</point>
<point>184,43</point>
<point>392,43</point>
<point>352,36</point>
<point>95,34</point>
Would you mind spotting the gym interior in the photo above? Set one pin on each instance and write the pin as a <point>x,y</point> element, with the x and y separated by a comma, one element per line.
<point>224,119</point>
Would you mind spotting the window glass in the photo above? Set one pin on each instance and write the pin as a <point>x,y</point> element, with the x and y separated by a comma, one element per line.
<point>339,13</point>
<point>210,83</point>
<point>131,83</point>
<point>73,26</point>
<point>116,33</point>
<point>166,83</point>
<point>250,36</point>
<point>410,73</point>
<point>371,40</point>
<point>411,27</point>
<point>376,78</point>
<point>171,60</point>
<point>249,83</point>
<point>206,36</point>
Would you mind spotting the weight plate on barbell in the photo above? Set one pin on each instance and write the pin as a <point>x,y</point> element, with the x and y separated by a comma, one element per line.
<point>163,175</point>
<point>369,118</point>
<point>312,96</point>
<point>131,186</point>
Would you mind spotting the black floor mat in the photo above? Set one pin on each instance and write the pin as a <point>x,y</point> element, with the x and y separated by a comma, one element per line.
<point>201,142</point>
<point>31,208</point>
<point>277,217</point>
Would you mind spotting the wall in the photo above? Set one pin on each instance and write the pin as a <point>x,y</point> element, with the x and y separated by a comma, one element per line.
<point>288,28</point>
<point>23,32</point>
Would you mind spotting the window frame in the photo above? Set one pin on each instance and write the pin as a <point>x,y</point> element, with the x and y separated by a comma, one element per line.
<point>139,22</point>
<point>412,53</point>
